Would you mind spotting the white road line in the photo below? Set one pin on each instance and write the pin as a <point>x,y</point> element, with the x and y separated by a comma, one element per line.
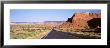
<point>46,35</point>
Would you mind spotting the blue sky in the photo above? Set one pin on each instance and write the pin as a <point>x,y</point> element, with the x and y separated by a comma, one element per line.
<point>40,15</point>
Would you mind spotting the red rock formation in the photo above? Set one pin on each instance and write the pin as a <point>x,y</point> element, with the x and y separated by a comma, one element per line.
<point>79,20</point>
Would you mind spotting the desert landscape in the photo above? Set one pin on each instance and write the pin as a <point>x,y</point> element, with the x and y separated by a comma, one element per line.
<point>81,25</point>
<point>31,30</point>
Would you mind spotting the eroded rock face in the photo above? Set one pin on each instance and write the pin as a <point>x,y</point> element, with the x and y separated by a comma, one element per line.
<point>79,20</point>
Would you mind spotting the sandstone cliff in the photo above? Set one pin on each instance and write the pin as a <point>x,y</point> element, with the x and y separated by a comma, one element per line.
<point>79,20</point>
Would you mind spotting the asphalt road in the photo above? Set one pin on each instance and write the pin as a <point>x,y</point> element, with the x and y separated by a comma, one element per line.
<point>54,34</point>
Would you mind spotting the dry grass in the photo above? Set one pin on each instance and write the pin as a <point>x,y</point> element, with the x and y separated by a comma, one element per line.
<point>28,31</point>
<point>80,34</point>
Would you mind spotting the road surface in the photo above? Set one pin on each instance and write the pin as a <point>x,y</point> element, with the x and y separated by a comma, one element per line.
<point>54,34</point>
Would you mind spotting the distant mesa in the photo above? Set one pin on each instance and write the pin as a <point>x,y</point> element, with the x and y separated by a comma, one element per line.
<point>45,22</point>
<point>80,20</point>
<point>54,21</point>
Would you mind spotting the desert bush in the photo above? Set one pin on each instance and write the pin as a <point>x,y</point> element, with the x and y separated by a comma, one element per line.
<point>24,31</point>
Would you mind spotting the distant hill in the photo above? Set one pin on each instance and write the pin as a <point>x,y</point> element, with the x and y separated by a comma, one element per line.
<point>45,22</point>
<point>54,21</point>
